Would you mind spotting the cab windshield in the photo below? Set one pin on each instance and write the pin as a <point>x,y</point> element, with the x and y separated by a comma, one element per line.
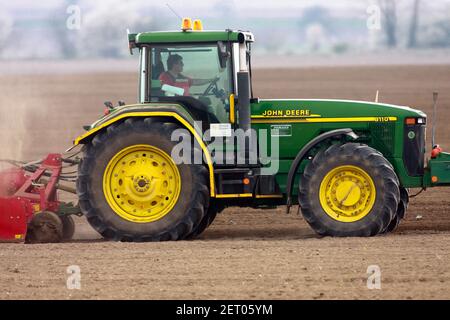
<point>192,71</point>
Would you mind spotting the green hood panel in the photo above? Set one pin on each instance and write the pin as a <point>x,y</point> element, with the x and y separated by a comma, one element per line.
<point>296,122</point>
<point>329,108</point>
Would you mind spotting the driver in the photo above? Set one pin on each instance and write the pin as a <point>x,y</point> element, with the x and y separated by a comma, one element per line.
<point>174,77</point>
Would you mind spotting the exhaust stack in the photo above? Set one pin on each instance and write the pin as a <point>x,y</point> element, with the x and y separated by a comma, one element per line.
<point>433,134</point>
<point>243,80</point>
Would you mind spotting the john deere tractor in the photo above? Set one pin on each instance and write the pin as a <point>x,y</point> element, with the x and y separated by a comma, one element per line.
<point>347,164</point>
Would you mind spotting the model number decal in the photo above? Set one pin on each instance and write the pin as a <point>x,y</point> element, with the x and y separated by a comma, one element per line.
<point>382,119</point>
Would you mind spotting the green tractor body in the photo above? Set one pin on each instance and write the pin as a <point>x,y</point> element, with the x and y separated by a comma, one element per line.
<point>348,164</point>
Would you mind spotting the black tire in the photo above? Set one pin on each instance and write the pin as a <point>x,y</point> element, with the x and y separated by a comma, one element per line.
<point>392,225</point>
<point>44,227</point>
<point>375,165</point>
<point>187,212</point>
<point>401,210</point>
<point>207,220</point>
<point>404,203</point>
<point>68,227</point>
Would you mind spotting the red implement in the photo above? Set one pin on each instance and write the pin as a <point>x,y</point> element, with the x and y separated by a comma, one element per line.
<point>23,194</point>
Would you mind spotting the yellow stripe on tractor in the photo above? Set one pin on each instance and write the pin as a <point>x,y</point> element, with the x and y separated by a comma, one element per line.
<point>256,119</point>
<point>235,195</point>
<point>160,114</point>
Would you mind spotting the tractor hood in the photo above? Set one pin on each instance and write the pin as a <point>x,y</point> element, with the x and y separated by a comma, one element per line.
<point>330,110</point>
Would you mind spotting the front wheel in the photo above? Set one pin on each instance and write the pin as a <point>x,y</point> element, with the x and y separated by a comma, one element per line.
<point>401,211</point>
<point>349,190</point>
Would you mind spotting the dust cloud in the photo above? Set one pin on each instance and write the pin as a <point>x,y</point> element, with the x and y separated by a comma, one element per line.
<point>13,132</point>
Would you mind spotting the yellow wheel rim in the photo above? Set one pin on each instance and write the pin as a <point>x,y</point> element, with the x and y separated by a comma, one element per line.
<point>141,183</point>
<point>347,193</point>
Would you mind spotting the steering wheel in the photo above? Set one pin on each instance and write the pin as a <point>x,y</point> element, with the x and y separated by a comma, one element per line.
<point>212,88</point>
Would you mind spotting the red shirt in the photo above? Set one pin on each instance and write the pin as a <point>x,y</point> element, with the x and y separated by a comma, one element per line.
<point>180,82</point>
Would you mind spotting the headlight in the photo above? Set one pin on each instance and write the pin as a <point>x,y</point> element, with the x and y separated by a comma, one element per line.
<point>414,121</point>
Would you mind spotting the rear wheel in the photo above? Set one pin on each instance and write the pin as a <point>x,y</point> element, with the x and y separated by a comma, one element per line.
<point>130,188</point>
<point>68,227</point>
<point>349,190</point>
<point>207,220</point>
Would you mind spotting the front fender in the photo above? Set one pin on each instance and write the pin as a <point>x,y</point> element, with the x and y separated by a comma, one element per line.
<point>304,152</point>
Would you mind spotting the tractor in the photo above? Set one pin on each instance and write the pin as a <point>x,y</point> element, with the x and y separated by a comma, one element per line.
<point>348,165</point>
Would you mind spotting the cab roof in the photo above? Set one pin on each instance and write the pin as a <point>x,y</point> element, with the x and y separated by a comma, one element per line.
<point>190,36</point>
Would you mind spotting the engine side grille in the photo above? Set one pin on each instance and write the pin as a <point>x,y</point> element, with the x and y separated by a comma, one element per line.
<point>383,137</point>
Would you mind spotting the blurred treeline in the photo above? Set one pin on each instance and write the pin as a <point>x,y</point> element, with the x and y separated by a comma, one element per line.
<point>37,31</point>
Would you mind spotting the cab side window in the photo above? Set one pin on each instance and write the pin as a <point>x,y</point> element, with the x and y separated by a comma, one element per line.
<point>192,71</point>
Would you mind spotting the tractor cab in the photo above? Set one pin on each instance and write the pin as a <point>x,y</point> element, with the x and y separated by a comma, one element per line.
<point>198,69</point>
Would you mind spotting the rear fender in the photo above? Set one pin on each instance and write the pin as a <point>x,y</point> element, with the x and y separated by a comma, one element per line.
<point>184,121</point>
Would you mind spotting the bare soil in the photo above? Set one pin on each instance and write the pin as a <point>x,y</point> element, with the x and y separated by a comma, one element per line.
<point>246,253</point>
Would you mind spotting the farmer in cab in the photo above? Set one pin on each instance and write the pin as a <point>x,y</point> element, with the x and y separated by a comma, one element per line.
<point>174,77</point>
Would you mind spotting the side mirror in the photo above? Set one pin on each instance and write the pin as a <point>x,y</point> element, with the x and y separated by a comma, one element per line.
<point>131,41</point>
<point>223,54</point>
